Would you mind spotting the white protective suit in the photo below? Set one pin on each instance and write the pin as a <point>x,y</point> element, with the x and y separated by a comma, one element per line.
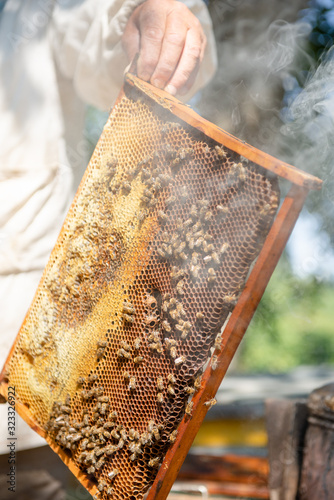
<point>55,56</point>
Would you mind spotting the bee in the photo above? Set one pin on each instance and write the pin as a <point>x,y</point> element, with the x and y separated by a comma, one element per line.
<point>160,384</point>
<point>160,398</point>
<point>189,408</point>
<point>90,458</point>
<point>166,326</point>
<point>211,402</point>
<point>113,415</point>
<point>138,359</point>
<point>198,382</point>
<point>100,353</point>
<point>132,383</point>
<point>170,343</point>
<point>128,308</point>
<point>156,346</point>
<point>136,343</point>
<point>224,248</point>
<point>162,216</point>
<point>214,362</point>
<point>102,343</point>
<point>65,409</point>
<point>126,186</point>
<point>186,327</point>
<point>92,377</point>
<point>180,360</point>
<point>133,435</point>
<point>212,275</point>
<point>173,352</point>
<point>161,253</point>
<point>170,390</point>
<point>177,273</point>
<point>194,271</point>
<point>103,409</point>
<point>91,470</point>
<point>171,378</point>
<point>172,437</point>
<point>82,457</point>
<point>106,434</point>
<point>123,434</point>
<point>179,287</point>
<point>164,179</point>
<point>122,353</point>
<point>84,442</point>
<point>132,446</point>
<point>167,249</point>
<point>108,425</point>
<point>199,242</point>
<point>199,316</point>
<point>151,425</point>
<point>121,443</point>
<point>86,420</point>
<point>110,490</point>
<point>174,314</point>
<point>220,152</point>
<point>76,438</point>
<point>115,434</point>
<point>265,209</point>
<point>218,342</point>
<point>170,200</point>
<point>81,380</point>
<point>145,173</point>
<point>112,474</point>
<point>215,258</point>
<point>128,318</point>
<point>99,463</point>
<point>98,451</point>
<point>230,299</point>
<point>110,449</point>
<point>156,433</point>
<point>207,259</point>
<point>85,394</point>
<point>189,390</point>
<point>145,438</point>
<point>154,462</point>
<point>222,211</point>
<point>103,399</point>
<point>179,327</point>
<point>194,259</point>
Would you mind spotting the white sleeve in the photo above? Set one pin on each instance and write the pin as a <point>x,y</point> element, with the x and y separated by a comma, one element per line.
<point>86,40</point>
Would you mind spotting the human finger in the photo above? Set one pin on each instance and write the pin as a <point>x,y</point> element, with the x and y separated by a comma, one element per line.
<point>172,48</point>
<point>189,63</point>
<point>151,26</point>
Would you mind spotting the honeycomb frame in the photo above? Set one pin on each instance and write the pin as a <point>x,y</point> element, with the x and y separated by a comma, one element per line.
<point>152,259</point>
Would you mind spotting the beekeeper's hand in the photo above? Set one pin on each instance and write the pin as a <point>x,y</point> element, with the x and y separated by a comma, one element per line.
<point>170,42</point>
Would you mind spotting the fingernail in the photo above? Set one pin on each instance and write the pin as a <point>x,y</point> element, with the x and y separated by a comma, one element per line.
<point>171,89</point>
<point>158,83</point>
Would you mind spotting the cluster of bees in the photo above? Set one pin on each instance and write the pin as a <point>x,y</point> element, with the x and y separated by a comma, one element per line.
<point>97,436</point>
<point>191,246</point>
